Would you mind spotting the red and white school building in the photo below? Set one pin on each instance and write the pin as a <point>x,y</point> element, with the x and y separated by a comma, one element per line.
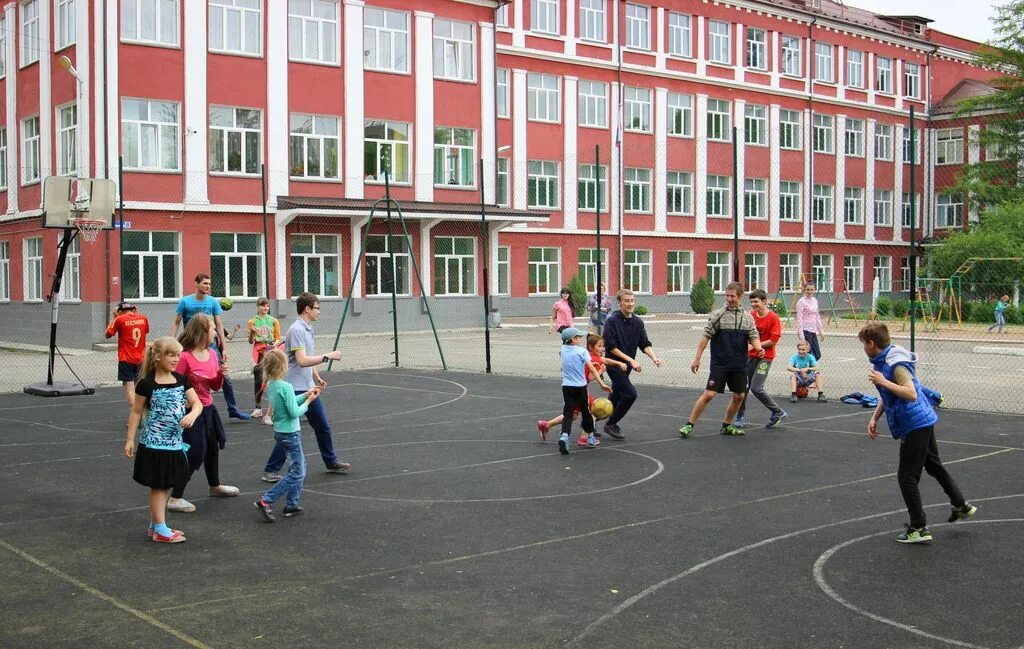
<point>470,99</point>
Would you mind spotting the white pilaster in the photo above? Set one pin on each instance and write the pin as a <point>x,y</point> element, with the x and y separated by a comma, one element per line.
<point>277,167</point>
<point>98,89</point>
<point>700,55</point>
<point>897,199</point>
<point>739,60</point>
<point>423,131</point>
<point>869,77</point>
<point>614,177</point>
<point>739,114</point>
<point>197,117</point>
<point>897,83</point>
<point>973,158</point>
<point>355,240</point>
<point>774,170</point>
<point>927,139</point>
<point>83,136</point>
<point>841,72</point>
<point>570,30</point>
<point>776,56</point>
<point>808,188</point>
<point>426,267</point>
<point>613,7</point>
<point>869,181</point>
<point>659,38</point>
<point>113,89</point>
<point>518,31</point>
<point>839,201</point>
<point>488,137</point>
<point>11,103</point>
<point>700,180</point>
<point>518,169</point>
<point>570,153</point>
<point>45,91</point>
<point>660,159</point>
<point>808,63</point>
<point>355,121</point>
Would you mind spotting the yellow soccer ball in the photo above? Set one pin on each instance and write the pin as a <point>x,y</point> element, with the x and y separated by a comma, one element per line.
<point>601,408</point>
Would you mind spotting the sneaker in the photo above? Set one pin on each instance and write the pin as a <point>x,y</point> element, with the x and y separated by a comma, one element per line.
<point>962,512</point>
<point>731,430</point>
<point>593,441</point>
<point>180,505</point>
<point>738,422</point>
<point>224,491</point>
<point>598,434</point>
<point>542,426</point>
<point>792,398</point>
<point>338,467</point>
<point>267,420</point>
<point>614,431</point>
<point>175,537</point>
<point>270,476</point>
<point>150,532</point>
<point>581,440</point>
<point>288,512</point>
<point>265,511</point>
<point>914,536</point>
<point>686,430</point>
<point>821,398</point>
<point>238,415</point>
<point>776,418</point>
<point>563,444</point>
<point>256,414</point>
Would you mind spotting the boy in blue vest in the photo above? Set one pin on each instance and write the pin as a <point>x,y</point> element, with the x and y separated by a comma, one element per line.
<point>911,420</point>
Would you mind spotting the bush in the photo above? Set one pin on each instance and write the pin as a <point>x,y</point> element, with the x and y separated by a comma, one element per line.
<point>640,310</point>
<point>702,298</point>
<point>577,295</point>
<point>983,312</point>
<point>779,307</point>
<point>883,307</point>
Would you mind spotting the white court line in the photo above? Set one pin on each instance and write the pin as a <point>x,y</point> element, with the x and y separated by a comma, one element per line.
<point>819,579</point>
<point>51,403</point>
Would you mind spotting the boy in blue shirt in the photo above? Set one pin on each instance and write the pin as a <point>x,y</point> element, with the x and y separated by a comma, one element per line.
<point>804,372</point>
<point>911,420</point>
<point>575,364</point>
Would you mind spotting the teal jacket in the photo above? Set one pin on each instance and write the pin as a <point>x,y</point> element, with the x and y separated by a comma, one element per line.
<point>903,416</point>
<point>286,405</point>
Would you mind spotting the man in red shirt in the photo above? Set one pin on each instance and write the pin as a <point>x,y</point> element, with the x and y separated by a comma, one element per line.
<point>131,328</point>
<point>769,330</point>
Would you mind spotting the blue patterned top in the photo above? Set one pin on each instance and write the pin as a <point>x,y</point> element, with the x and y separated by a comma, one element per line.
<point>167,406</point>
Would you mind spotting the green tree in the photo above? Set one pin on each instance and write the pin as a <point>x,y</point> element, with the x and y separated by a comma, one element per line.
<point>577,294</point>
<point>702,298</point>
<point>999,234</point>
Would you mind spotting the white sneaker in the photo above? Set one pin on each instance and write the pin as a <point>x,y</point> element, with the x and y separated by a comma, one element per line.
<point>224,491</point>
<point>267,420</point>
<point>257,413</point>
<point>180,505</point>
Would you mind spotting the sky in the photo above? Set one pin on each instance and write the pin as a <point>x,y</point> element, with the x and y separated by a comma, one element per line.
<point>969,19</point>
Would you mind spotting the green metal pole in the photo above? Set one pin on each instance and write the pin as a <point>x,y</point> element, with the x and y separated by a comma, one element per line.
<point>120,225</point>
<point>352,284</point>
<point>735,207</point>
<point>266,248</point>
<point>913,233</point>
<point>484,240</point>
<point>419,280</point>
<point>394,275</point>
<point>597,226</point>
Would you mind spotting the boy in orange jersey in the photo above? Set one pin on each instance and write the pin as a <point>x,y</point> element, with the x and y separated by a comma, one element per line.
<point>131,328</point>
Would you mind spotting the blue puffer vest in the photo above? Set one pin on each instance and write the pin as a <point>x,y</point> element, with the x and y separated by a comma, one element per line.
<point>902,416</point>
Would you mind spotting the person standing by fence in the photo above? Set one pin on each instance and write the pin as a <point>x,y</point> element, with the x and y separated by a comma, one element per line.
<point>561,312</point>
<point>599,311</point>
<point>1000,314</point>
<point>808,320</point>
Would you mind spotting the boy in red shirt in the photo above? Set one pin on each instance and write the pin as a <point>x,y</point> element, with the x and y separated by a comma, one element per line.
<point>131,328</point>
<point>769,331</point>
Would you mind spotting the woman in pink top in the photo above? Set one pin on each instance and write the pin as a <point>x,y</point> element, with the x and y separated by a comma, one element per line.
<point>206,436</point>
<point>561,313</point>
<point>808,320</point>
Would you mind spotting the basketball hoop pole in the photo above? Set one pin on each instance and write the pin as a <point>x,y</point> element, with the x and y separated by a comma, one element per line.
<point>54,298</point>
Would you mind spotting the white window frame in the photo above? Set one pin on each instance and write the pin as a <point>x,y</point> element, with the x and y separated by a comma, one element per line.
<point>501,16</point>
<point>949,212</point>
<point>325,30</point>
<point>883,207</point>
<point>789,271</point>
<point>720,42</point>
<point>790,130</point>
<point>853,273</point>
<point>910,218</point>
<point>591,192</point>
<point>164,133</point>
<point>824,63</point>
<point>593,21</point>
<point>30,152</point>
<point>542,179</point>
<point>824,134</point>
<point>550,268</point>
<point>680,272</point>
<point>755,125</point>
<point>324,250</point>
<point>637,109</point>
<point>881,273</point>
<point>883,142</point>
<point>243,133</point>
<point>757,49</point>
<point>949,146</point>
<point>455,272</point>
<point>854,134</point>
<point>504,271</point>
<point>680,34</point>
<point>242,11</point>
<point>387,143</point>
<point>719,120</point>
<point>381,263</point>
<point>790,200</point>
<point>3,155</point>
<point>755,271</point>
<point>586,264</point>
<point>160,29</point>
<point>853,206</point>
<point>71,282</point>
<point>544,98</point>
<point>638,26</point>
<point>67,135</point>
<point>502,179</point>
<point>636,190</point>
<point>679,191</point>
<point>3,48</point>
<point>454,50</point>
<point>64,25</point>
<point>133,264</point>
<point>502,78</point>
<point>911,80</point>
<point>385,40</point>
<point>680,114</point>
<point>252,264</point>
<point>911,157</point>
<point>792,56</point>
<point>32,269</point>
<point>717,196</point>
<point>823,271</point>
<point>544,16</point>
<point>457,159</point>
<point>314,138</point>
<point>719,272</point>
<point>636,271</point>
<point>593,104</point>
<point>755,198</point>
<point>29,37</point>
<point>883,75</point>
<point>822,204</point>
<point>5,271</point>
<point>855,69</point>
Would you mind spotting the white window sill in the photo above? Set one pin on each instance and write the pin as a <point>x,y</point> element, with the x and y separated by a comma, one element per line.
<point>403,73</point>
<point>463,188</point>
<point>470,82</point>
<point>638,50</point>
<point>555,36</point>
<point>155,300</point>
<point>30,183</point>
<point>719,216</point>
<point>59,48</point>
<point>795,77</point>
<point>755,218</point>
<point>790,220</point>
<point>542,207</point>
<point>720,64</point>
<point>681,57</point>
<point>40,300</point>
<point>600,128</point>
<point>544,121</point>
<point>393,183</point>
<point>233,174</point>
<point>306,179</point>
<point>762,145</point>
<point>826,83</point>
<point>751,68</point>
<point>324,64</point>
<point>638,131</point>
<point>244,55</point>
<point>723,141</point>
<point>681,136</point>
<point>142,170</point>
<point>594,43</point>
<point>791,148</point>
<point>166,46</point>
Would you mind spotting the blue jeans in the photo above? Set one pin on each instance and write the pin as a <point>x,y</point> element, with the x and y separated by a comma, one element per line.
<point>1000,321</point>
<point>227,388</point>
<point>317,418</point>
<point>290,486</point>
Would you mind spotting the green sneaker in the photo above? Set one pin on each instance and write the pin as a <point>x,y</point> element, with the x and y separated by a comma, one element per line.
<point>732,430</point>
<point>922,535</point>
<point>686,430</point>
<point>960,513</point>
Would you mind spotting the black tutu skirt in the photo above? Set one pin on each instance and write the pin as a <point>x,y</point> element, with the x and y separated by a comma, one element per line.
<point>160,469</point>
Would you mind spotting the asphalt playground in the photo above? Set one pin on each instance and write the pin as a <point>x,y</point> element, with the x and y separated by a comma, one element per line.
<point>457,527</point>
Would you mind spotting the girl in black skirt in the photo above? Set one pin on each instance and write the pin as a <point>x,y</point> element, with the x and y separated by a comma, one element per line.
<point>170,405</point>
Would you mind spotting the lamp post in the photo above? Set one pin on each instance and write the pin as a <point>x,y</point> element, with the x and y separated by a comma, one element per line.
<point>64,63</point>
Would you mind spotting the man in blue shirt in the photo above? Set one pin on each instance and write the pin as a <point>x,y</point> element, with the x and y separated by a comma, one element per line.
<point>624,334</point>
<point>202,302</point>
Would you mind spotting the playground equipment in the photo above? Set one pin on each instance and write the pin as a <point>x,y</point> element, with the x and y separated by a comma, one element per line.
<point>824,293</point>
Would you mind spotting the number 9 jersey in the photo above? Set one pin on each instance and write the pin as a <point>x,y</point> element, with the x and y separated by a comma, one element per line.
<point>131,329</point>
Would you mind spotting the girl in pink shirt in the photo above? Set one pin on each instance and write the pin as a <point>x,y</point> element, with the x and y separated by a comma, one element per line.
<point>808,320</point>
<point>561,313</point>
<point>206,436</point>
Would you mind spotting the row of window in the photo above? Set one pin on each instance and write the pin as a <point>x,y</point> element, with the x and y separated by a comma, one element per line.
<point>719,35</point>
<point>67,148</point>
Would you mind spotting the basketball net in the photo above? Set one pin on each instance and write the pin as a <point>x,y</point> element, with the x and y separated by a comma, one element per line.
<point>88,229</point>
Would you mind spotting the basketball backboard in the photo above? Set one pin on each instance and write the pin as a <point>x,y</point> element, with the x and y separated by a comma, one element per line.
<point>95,200</point>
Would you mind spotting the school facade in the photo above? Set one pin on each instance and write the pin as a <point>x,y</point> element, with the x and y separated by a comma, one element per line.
<point>253,136</point>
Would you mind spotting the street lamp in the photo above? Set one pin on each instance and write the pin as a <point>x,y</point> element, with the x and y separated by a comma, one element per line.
<point>64,63</point>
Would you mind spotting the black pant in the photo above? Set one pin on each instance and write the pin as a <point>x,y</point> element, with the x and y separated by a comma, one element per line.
<point>623,395</point>
<point>257,379</point>
<point>203,450</point>
<point>812,343</point>
<point>575,398</point>
<point>918,450</point>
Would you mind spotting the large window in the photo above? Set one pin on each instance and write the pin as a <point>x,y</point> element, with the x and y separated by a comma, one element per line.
<point>454,266</point>
<point>755,195</point>
<point>30,44</point>
<point>883,207</point>
<point>386,149</point>
<point>755,271</point>
<point>543,276</point>
<point>5,271</point>
<point>883,141</point>
<point>719,120</point>
<point>911,154</point>
<point>592,188</point>
<point>593,104</point>
<point>3,156</point>
<point>718,270</point>
<point>542,97</point>
<point>64,23</point>
<point>853,273</point>
<point>636,270</point>
<point>149,135</point>
<point>236,264</point>
<point>679,187</point>
<point>912,80</point>
<point>501,91</point>
<point>3,48</point>
<point>824,67</point>
<point>454,54</point>
<point>821,271</point>
<point>236,26</point>
<point>720,44</point>
<point>314,264</point>
<point>381,278</point>
<point>789,200</point>
<point>30,150</point>
<point>71,282</point>
<point>236,136</point>
<point>755,124</point>
<point>313,30</point>
<point>908,218</point>
<point>544,16</point>
<point>949,211</point>
<point>824,134</point>
<point>790,129</point>
<point>789,271</point>
<point>314,143</point>
<point>32,269</point>
<point>501,183</point>
<point>680,271</point>
<point>855,69</point>
<point>949,146</point>
<point>757,49</point>
<point>882,274</point>
<point>385,40</point>
<point>792,65</point>
<point>680,114</point>
<point>592,20</point>
<point>637,109</point>
<point>67,147</point>
<point>637,189</point>
<point>146,21</point>
<point>680,34</point>
<point>821,204</point>
<point>855,138</point>
<point>587,264</point>
<point>883,75</point>
<point>504,271</point>
<point>454,157</point>
<point>853,206</point>
<point>150,265</point>
<point>717,195</point>
<point>638,26</point>
<point>542,184</point>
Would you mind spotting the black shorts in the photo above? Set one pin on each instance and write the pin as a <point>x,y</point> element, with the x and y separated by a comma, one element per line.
<point>127,371</point>
<point>718,379</point>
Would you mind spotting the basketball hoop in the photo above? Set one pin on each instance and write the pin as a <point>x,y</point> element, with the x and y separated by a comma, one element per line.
<point>88,229</point>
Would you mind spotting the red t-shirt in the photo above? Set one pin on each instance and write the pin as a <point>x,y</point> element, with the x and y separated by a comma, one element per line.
<point>768,328</point>
<point>131,330</point>
<point>596,360</point>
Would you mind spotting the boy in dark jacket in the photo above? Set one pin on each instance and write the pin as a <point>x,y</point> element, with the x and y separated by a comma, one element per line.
<point>624,334</point>
<point>911,420</point>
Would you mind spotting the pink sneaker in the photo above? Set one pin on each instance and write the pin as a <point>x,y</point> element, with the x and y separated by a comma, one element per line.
<point>542,426</point>
<point>581,440</point>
